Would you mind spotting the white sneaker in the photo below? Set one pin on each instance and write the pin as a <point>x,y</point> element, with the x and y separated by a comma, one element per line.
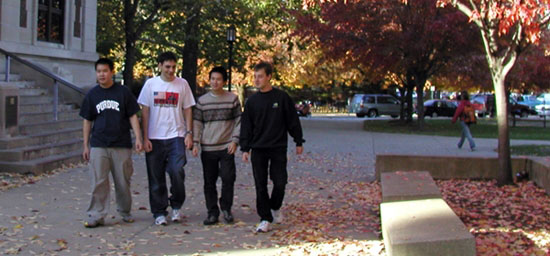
<point>278,217</point>
<point>263,226</point>
<point>176,215</point>
<point>161,220</point>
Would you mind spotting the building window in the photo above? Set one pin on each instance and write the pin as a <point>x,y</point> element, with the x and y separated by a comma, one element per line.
<point>77,11</point>
<point>51,20</point>
<point>23,14</point>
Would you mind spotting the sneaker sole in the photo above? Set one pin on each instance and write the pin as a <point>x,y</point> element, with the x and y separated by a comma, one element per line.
<point>87,225</point>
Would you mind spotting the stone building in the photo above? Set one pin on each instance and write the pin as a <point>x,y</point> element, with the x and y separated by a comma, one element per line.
<point>59,35</point>
<point>52,49</point>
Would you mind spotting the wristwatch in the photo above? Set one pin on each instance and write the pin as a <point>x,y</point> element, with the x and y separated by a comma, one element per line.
<point>188,132</point>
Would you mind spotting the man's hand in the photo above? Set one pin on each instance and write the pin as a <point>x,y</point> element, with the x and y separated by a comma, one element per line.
<point>232,148</point>
<point>147,145</point>
<point>245,157</point>
<point>195,151</point>
<point>86,153</point>
<point>139,145</point>
<point>299,150</point>
<point>189,141</point>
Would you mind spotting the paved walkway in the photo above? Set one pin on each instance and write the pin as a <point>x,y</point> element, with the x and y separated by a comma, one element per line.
<point>324,190</point>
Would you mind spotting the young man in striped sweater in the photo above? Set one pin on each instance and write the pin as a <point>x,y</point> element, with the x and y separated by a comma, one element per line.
<point>216,126</point>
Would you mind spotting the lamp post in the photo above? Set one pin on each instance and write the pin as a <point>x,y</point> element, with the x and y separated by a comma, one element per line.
<point>231,35</point>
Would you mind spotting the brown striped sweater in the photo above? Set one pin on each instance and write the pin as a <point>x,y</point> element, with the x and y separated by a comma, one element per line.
<point>216,121</point>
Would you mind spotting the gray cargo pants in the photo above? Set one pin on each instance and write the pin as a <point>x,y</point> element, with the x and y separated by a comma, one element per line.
<point>118,162</point>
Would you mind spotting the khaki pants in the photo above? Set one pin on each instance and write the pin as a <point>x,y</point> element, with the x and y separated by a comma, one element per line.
<point>118,162</point>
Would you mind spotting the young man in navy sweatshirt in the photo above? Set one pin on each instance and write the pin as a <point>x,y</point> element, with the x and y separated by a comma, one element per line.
<point>268,116</point>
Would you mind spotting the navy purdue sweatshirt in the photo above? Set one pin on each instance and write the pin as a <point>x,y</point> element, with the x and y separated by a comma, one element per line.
<point>266,120</point>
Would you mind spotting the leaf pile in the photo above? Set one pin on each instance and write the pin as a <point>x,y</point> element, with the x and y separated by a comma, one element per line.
<point>508,220</point>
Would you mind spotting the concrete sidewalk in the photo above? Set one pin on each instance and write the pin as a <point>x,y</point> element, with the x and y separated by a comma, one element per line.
<point>46,217</point>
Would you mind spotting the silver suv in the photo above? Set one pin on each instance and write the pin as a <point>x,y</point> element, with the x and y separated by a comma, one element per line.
<point>373,105</point>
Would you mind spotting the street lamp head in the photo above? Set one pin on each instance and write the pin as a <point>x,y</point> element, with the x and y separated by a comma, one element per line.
<point>231,34</point>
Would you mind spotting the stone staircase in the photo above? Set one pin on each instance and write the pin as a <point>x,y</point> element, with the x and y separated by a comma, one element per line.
<point>42,144</point>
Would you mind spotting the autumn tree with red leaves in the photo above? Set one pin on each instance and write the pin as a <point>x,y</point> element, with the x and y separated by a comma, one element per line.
<point>507,28</point>
<point>413,41</point>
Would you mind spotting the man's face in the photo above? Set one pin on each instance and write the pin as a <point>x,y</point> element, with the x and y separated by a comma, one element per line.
<point>168,69</point>
<point>216,81</point>
<point>104,74</point>
<point>261,80</point>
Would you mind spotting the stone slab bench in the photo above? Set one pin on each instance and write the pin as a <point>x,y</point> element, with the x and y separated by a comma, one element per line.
<point>424,227</point>
<point>462,167</point>
<point>403,186</point>
<point>417,221</point>
<point>446,167</point>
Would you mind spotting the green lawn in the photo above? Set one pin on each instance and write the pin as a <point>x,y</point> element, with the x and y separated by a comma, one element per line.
<point>531,150</point>
<point>483,129</point>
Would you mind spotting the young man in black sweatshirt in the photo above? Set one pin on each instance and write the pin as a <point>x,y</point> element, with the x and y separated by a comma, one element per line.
<point>268,116</point>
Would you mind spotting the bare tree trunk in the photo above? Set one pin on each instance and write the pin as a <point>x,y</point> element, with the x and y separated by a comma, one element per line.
<point>409,103</point>
<point>420,103</point>
<point>504,160</point>
<point>402,98</point>
<point>129,63</point>
<point>191,45</point>
<point>130,44</point>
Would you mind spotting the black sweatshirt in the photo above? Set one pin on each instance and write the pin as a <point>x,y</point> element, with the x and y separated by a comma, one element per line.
<point>267,118</point>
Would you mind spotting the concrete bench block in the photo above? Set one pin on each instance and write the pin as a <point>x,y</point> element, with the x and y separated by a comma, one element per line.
<point>403,186</point>
<point>424,227</point>
<point>445,167</point>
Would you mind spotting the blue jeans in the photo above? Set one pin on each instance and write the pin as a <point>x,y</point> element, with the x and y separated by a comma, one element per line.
<point>466,134</point>
<point>167,156</point>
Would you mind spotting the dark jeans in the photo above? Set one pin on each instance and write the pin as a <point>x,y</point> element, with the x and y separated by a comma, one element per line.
<point>167,156</point>
<point>214,164</point>
<point>275,160</point>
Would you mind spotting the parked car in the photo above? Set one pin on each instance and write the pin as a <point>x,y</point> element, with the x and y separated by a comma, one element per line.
<point>484,104</point>
<point>373,105</point>
<point>543,109</point>
<point>529,100</point>
<point>544,98</point>
<point>521,110</point>
<point>435,108</point>
<point>303,108</point>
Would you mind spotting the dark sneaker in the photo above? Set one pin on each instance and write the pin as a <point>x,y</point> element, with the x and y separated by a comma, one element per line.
<point>211,220</point>
<point>92,223</point>
<point>228,217</point>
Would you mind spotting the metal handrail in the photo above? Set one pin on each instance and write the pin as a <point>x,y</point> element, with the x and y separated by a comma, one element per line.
<point>57,79</point>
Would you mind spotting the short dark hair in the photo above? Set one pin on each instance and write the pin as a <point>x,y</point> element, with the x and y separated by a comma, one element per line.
<point>266,66</point>
<point>105,61</point>
<point>464,95</point>
<point>165,56</point>
<point>220,70</point>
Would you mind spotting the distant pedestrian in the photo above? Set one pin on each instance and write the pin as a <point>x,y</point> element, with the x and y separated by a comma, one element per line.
<point>463,112</point>
<point>111,108</point>
<point>216,126</point>
<point>268,116</point>
<point>166,102</point>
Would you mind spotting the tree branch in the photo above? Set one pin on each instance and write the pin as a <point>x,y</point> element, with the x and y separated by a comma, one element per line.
<point>153,15</point>
<point>177,47</point>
